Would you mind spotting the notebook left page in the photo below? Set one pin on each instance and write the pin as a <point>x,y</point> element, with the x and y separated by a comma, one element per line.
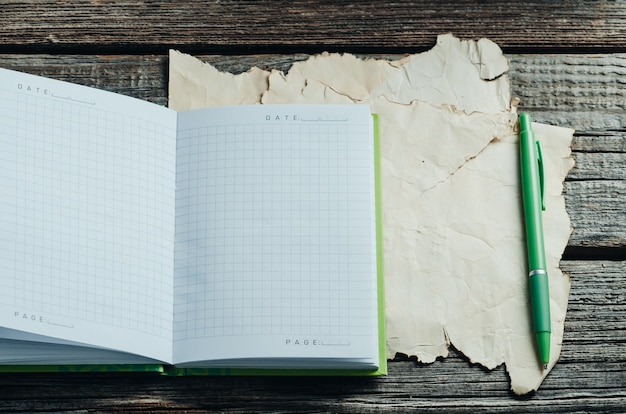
<point>87,179</point>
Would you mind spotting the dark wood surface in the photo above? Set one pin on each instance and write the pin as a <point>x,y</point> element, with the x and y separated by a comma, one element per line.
<point>230,26</point>
<point>568,66</point>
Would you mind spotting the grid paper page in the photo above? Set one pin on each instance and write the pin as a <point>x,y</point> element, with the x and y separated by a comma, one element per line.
<point>275,233</point>
<point>86,215</point>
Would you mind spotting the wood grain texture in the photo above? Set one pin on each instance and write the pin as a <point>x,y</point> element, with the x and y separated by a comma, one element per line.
<point>568,65</point>
<point>595,189</point>
<point>149,26</point>
<point>585,92</point>
<point>589,377</point>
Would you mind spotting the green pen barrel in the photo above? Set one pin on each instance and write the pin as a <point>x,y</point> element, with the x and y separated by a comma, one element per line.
<point>531,195</point>
<point>540,302</point>
<point>532,199</point>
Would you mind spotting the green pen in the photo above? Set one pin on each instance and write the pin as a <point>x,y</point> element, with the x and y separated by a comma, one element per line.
<point>533,191</point>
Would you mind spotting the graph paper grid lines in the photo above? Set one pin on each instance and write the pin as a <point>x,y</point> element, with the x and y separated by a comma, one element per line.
<point>87,212</point>
<point>273,230</point>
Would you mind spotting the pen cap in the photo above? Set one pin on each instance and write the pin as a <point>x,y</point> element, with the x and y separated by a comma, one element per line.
<point>524,122</point>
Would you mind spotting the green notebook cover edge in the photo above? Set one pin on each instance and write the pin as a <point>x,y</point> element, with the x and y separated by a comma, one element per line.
<point>173,371</point>
<point>380,264</point>
<point>87,368</point>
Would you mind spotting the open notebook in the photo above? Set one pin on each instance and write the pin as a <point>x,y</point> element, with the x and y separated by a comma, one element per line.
<point>226,238</point>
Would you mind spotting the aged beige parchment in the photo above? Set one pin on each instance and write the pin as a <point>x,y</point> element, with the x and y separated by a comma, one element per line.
<point>455,264</point>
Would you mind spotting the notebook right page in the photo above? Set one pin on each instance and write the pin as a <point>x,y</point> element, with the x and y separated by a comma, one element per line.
<point>275,259</point>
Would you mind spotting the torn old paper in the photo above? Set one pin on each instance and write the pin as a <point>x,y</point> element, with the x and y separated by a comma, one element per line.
<point>455,264</point>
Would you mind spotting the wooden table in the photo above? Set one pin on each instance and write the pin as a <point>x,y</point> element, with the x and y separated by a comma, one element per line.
<point>568,66</point>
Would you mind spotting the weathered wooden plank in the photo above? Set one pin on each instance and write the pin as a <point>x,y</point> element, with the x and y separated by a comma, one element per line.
<point>451,385</point>
<point>589,377</point>
<point>597,211</point>
<point>595,326</point>
<point>143,77</point>
<point>595,189</point>
<point>305,25</point>
<point>584,92</point>
<point>599,165</point>
<point>600,141</point>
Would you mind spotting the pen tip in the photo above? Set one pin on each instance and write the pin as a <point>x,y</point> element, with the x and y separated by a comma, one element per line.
<point>545,366</point>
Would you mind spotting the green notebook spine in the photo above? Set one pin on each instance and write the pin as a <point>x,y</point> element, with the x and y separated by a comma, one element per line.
<point>382,335</point>
<point>82,368</point>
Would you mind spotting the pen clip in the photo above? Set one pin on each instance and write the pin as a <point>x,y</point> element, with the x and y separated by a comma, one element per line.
<point>542,186</point>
